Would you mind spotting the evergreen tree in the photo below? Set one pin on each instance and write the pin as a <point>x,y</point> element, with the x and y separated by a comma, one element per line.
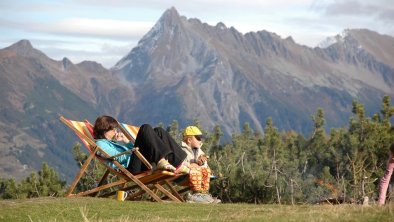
<point>214,140</point>
<point>294,159</point>
<point>173,130</point>
<point>274,151</point>
<point>10,189</point>
<point>317,144</point>
<point>44,183</point>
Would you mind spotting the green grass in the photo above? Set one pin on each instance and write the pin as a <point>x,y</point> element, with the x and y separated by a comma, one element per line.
<point>98,209</point>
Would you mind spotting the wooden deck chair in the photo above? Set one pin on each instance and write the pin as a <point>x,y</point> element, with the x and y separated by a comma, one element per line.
<point>178,184</point>
<point>131,132</point>
<point>139,184</point>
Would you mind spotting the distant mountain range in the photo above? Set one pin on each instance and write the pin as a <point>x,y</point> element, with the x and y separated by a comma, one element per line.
<point>183,69</point>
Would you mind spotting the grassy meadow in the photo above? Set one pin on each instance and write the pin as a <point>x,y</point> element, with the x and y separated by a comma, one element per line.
<point>99,209</point>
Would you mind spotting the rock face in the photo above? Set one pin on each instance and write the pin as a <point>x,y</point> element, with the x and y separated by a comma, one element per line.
<point>183,70</point>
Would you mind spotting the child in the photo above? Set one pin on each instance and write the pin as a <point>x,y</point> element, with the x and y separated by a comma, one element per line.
<point>196,160</point>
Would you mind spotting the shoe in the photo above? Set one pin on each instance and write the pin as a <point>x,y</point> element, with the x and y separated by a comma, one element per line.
<point>182,169</point>
<point>197,198</point>
<point>163,164</point>
<point>216,200</point>
<point>211,199</point>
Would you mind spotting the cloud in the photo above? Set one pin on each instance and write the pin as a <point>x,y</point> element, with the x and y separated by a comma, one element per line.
<point>98,28</point>
<point>387,15</point>
<point>379,9</point>
<point>107,53</point>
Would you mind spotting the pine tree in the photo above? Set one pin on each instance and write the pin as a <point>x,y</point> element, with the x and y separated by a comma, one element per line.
<point>10,189</point>
<point>273,146</point>
<point>173,130</point>
<point>317,143</point>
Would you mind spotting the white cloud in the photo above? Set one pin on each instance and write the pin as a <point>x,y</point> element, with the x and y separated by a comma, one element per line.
<point>77,50</point>
<point>99,27</point>
<point>105,28</point>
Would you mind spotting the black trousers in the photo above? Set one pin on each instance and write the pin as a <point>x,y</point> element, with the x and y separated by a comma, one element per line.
<point>155,144</point>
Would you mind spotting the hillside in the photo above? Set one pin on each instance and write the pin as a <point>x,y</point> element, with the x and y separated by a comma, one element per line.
<point>35,90</point>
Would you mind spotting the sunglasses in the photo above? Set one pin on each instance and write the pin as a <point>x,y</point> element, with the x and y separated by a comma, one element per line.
<point>198,137</point>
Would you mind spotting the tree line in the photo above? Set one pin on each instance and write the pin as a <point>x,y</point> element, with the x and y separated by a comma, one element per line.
<point>284,167</point>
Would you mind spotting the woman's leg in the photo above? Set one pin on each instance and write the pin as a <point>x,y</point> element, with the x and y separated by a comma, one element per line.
<point>177,155</point>
<point>135,165</point>
<point>150,145</point>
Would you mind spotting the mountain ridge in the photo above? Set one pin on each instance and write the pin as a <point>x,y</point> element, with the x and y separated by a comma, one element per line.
<point>279,60</point>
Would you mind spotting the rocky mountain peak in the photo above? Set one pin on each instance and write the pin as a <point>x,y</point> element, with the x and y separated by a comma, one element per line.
<point>221,25</point>
<point>66,63</point>
<point>24,48</point>
<point>170,14</point>
<point>92,66</point>
<point>22,45</point>
<point>168,20</point>
<point>167,29</point>
<point>333,39</point>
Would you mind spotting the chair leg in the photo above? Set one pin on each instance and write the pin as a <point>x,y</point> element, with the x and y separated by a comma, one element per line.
<point>174,191</point>
<point>166,192</point>
<point>138,182</point>
<point>80,174</point>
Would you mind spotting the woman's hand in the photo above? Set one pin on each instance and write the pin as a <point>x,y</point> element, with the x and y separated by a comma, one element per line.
<point>120,137</point>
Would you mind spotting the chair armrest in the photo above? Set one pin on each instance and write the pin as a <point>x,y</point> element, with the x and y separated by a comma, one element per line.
<point>135,151</point>
<point>120,154</point>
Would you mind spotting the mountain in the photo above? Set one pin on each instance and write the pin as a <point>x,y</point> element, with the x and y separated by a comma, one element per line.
<point>184,69</point>
<point>191,70</point>
<point>35,91</point>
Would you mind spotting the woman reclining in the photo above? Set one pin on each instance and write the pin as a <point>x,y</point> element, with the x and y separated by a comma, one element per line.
<point>156,145</point>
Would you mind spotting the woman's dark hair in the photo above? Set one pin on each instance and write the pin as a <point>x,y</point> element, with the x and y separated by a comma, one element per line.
<point>102,125</point>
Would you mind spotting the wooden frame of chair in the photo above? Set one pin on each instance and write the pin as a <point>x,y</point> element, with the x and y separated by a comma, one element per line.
<point>159,182</point>
<point>142,182</point>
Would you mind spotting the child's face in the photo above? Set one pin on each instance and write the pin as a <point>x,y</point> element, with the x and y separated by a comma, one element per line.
<point>196,141</point>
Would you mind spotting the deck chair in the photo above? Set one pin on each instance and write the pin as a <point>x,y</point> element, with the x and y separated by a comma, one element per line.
<point>178,184</point>
<point>149,182</point>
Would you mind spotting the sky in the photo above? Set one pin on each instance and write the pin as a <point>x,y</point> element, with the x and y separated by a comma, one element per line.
<point>106,30</point>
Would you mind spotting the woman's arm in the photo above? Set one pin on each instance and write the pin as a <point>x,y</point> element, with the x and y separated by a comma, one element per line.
<point>113,149</point>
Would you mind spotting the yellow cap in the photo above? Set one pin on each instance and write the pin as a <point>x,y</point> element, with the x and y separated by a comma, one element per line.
<point>192,131</point>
